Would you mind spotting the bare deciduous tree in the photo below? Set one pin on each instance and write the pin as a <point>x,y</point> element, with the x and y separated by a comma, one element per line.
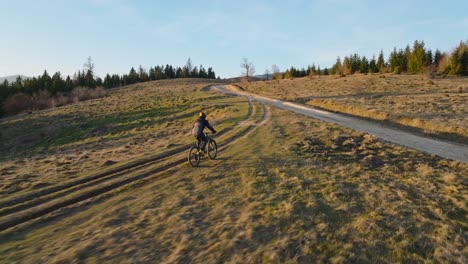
<point>248,68</point>
<point>267,74</point>
<point>274,70</point>
<point>89,65</point>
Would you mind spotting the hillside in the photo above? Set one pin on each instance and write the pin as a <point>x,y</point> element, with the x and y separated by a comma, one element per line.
<point>107,180</point>
<point>12,78</point>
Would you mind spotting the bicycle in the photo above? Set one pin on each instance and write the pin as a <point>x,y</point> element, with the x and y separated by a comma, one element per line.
<point>196,153</point>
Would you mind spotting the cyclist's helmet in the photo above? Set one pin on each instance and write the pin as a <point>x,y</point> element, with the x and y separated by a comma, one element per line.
<point>202,114</point>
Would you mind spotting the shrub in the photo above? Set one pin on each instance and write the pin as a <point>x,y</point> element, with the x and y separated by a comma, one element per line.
<point>397,70</point>
<point>40,100</point>
<point>80,93</point>
<point>17,103</point>
<point>43,100</point>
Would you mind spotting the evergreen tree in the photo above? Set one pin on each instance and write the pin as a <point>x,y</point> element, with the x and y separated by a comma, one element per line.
<point>437,57</point>
<point>88,73</point>
<point>429,58</point>
<point>418,59</point>
<point>364,67</point>
<point>337,67</point>
<point>211,73</point>
<point>405,59</point>
<point>373,65</point>
<point>142,75</point>
<point>89,79</point>
<point>394,60</point>
<point>99,82</point>
<point>179,72</point>
<point>57,83</point>
<point>152,74</point>
<point>202,72</point>
<point>68,84</point>
<point>325,71</point>
<point>116,80</point>
<point>45,81</point>
<point>108,81</point>
<point>347,65</point>
<point>18,84</point>
<point>185,72</point>
<point>132,77</point>
<point>158,73</point>
<point>381,62</point>
<point>355,63</point>
<point>459,60</point>
<point>194,73</point>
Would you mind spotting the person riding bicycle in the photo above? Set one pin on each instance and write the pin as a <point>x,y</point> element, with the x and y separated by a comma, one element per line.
<point>198,127</point>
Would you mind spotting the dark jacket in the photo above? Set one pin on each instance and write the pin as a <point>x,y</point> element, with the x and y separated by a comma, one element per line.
<point>199,125</point>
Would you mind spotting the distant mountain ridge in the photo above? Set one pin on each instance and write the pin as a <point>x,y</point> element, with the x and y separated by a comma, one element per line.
<point>12,78</point>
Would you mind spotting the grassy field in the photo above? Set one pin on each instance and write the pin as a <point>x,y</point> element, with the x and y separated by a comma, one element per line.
<point>48,147</point>
<point>435,106</point>
<point>294,190</point>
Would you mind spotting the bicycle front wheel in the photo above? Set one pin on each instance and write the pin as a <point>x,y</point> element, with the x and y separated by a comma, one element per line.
<point>212,149</point>
<point>193,157</point>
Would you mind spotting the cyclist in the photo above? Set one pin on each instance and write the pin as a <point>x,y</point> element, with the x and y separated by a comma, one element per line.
<point>198,127</point>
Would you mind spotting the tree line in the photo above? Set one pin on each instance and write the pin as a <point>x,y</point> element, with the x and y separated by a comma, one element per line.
<point>56,83</point>
<point>411,60</point>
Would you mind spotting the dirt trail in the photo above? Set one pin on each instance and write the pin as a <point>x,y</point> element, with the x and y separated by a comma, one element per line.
<point>440,148</point>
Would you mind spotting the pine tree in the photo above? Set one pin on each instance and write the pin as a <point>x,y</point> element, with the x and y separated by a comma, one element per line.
<point>381,62</point>
<point>429,58</point>
<point>347,67</point>
<point>202,72</point>
<point>57,83</point>
<point>337,67</point>
<point>437,57</point>
<point>394,60</point>
<point>364,67</point>
<point>152,74</point>
<point>459,60</point>
<point>18,84</point>
<point>45,81</point>
<point>179,72</point>
<point>158,73</point>
<point>373,66</point>
<point>418,59</point>
<point>211,73</point>
<point>194,73</point>
<point>142,75</point>
<point>405,59</point>
<point>98,82</point>
<point>132,77</point>
<point>355,63</point>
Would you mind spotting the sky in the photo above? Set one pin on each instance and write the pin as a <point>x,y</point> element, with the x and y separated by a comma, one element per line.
<point>59,35</point>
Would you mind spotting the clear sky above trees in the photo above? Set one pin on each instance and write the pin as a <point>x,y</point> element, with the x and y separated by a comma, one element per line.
<point>58,35</point>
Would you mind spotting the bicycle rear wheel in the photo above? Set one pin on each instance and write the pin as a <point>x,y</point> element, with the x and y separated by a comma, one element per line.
<point>212,149</point>
<point>193,157</point>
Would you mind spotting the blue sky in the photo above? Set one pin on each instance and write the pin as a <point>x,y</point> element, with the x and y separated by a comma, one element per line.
<point>118,34</point>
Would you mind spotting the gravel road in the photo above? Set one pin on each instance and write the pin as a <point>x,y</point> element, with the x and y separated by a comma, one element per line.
<point>445,149</point>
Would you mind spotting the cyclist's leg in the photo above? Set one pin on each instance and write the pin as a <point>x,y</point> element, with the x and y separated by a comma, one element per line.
<point>198,142</point>
<point>203,140</point>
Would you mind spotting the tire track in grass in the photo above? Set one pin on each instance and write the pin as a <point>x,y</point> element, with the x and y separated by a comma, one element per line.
<point>48,204</point>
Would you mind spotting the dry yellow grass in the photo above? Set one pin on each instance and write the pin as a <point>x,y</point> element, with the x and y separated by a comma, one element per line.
<point>435,106</point>
<point>55,145</point>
